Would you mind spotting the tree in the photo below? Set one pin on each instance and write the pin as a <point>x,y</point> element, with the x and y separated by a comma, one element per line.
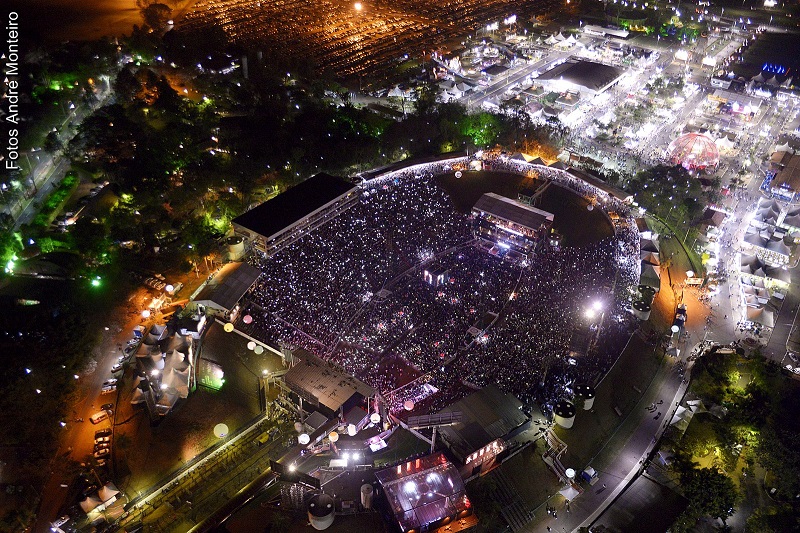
<point>90,237</point>
<point>711,493</point>
<point>53,143</point>
<point>155,16</point>
<point>770,519</point>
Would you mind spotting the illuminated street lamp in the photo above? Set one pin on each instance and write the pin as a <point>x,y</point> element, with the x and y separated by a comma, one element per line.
<point>146,313</point>
<point>358,6</point>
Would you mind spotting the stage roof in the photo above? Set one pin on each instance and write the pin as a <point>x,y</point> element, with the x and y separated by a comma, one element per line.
<point>513,211</point>
<point>486,415</point>
<point>588,74</point>
<point>294,204</point>
<point>314,378</point>
<point>227,286</point>
<point>423,491</point>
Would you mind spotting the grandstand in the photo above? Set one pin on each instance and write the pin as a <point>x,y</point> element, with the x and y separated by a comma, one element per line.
<point>290,215</point>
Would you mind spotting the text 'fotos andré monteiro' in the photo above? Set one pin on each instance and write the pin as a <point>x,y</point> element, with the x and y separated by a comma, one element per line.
<point>11,91</point>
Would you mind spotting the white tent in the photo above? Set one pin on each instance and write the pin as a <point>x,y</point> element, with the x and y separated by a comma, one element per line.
<point>137,397</point>
<point>158,361</point>
<point>651,257</point>
<point>651,275</point>
<point>569,492</point>
<point>178,381</point>
<point>107,492</point>
<point>673,351</point>
<point>90,503</point>
<point>762,316</point>
<point>559,37</point>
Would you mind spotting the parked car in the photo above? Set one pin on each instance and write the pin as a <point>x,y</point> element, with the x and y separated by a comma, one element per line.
<point>107,406</point>
<point>101,445</point>
<point>101,440</point>
<point>98,417</point>
<point>116,368</point>
<point>130,349</point>
<point>101,453</point>
<point>102,432</point>
<point>108,389</point>
<point>112,381</point>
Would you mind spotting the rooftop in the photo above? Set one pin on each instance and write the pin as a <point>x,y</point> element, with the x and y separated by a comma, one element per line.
<point>513,211</point>
<point>294,204</point>
<point>228,285</point>
<point>588,74</point>
<point>329,384</point>
<point>486,415</point>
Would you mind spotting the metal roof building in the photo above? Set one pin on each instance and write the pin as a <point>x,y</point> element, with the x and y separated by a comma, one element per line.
<point>296,211</point>
<point>513,211</point>
<point>487,418</point>
<point>323,384</point>
<point>587,76</point>
<point>227,286</point>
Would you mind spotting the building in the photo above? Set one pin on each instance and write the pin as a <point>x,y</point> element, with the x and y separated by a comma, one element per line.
<point>424,492</point>
<point>600,31</point>
<point>489,418</point>
<point>221,292</point>
<point>295,212</point>
<point>509,223</point>
<point>587,77</point>
<point>324,385</point>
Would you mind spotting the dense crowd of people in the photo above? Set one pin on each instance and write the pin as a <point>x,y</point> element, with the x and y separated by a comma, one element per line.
<point>353,292</point>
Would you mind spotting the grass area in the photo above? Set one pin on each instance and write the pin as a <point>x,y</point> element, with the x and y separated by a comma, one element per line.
<point>56,200</point>
<point>636,367</point>
<point>528,465</point>
<point>578,225</point>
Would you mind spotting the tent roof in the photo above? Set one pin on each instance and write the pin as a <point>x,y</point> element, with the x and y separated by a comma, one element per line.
<point>90,503</point>
<point>228,285</point>
<point>569,492</point>
<point>107,491</point>
<point>650,245</point>
<point>651,258</point>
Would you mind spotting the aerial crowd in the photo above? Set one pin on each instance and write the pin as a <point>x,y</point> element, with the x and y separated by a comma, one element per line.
<point>353,292</point>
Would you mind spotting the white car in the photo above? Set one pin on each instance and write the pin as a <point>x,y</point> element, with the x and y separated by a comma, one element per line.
<point>101,453</point>
<point>108,389</point>
<point>112,381</point>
